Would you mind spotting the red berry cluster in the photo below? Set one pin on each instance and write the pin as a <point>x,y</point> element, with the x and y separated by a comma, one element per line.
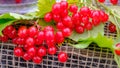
<point>114,2</point>
<point>78,20</point>
<point>33,43</point>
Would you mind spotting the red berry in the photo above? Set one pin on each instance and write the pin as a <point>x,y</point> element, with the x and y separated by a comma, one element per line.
<point>40,37</point>
<point>52,50</point>
<point>105,18</point>
<point>59,37</point>
<point>60,26</point>
<point>63,5</point>
<point>85,19</point>
<point>95,22</point>
<point>112,28</point>
<point>56,17</point>
<point>48,17</point>
<point>56,8</point>
<point>48,28</point>
<point>26,56</point>
<point>30,41</point>
<point>102,1</point>
<point>62,57</point>
<point>117,51</point>
<point>76,19</point>
<point>22,32</point>
<point>66,32</point>
<point>64,13</point>
<point>73,8</point>
<point>114,2</point>
<point>8,29</point>
<point>88,26</point>
<point>4,38</point>
<point>41,51</point>
<point>79,29</point>
<point>32,31</point>
<point>20,41</point>
<point>13,34</point>
<point>18,1</point>
<point>85,11</point>
<point>32,51</point>
<point>26,47</point>
<point>102,15</point>
<point>96,14</point>
<point>18,51</point>
<point>67,21</point>
<point>50,38</point>
<point>37,59</point>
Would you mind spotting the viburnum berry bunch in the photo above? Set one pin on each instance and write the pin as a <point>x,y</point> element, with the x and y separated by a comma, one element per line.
<point>34,43</point>
<point>68,18</point>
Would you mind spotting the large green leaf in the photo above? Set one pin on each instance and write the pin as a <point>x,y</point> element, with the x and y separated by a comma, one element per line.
<point>103,41</point>
<point>87,34</point>
<point>44,6</point>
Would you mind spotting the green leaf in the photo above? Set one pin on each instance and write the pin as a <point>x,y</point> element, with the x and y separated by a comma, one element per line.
<point>87,34</point>
<point>44,6</point>
<point>72,1</point>
<point>82,45</point>
<point>103,41</point>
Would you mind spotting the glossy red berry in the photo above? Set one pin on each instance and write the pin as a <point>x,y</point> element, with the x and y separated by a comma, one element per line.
<point>52,50</point>
<point>22,32</point>
<point>48,17</point>
<point>79,29</point>
<point>102,16</point>
<point>41,51</point>
<point>105,18</point>
<point>64,13</point>
<point>117,51</point>
<point>20,41</point>
<point>56,8</point>
<point>76,19</point>
<point>18,51</point>
<point>112,28</point>
<point>96,14</point>
<point>64,5</point>
<point>40,37</point>
<point>85,19</point>
<point>50,38</point>
<point>60,26</point>
<point>30,41</point>
<point>114,2</point>
<point>73,8</point>
<point>13,34</point>
<point>85,11</point>
<point>37,59</point>
<point>32,51</point>
<point>67,21</point>
<point>95,22</point>
<point>59,37</point>
<point>8,29</point>
<point>101,1</point>
<point>32,31</point>
<point>66,32</point>
<point>56,17</point>
<point>62,57</point>
<point>26,56</point>
<point>48,28</point>
<point>88,26</point>
<point>18,1</point>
